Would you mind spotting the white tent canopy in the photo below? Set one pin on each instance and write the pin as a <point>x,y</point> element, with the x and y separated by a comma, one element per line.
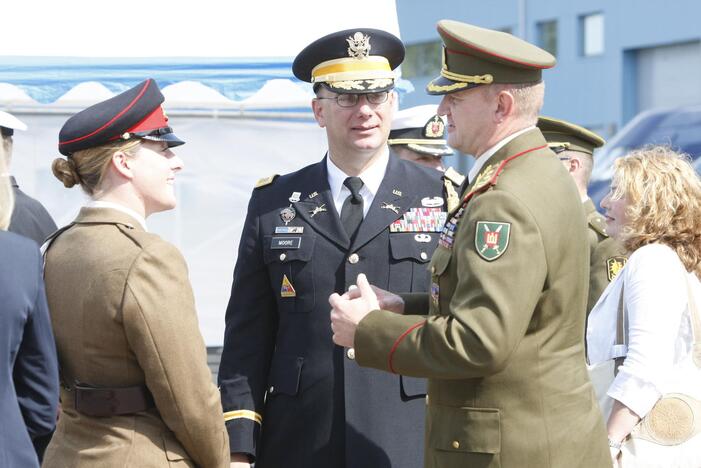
<point>194,94</point>
<point>276,94</point>
<point>84,94</point>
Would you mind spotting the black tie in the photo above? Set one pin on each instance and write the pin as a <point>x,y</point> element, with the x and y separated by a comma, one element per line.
<point>352,211</point>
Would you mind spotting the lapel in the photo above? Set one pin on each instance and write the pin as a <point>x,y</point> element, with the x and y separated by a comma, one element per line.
<point>327,223</point>
<point>378,218</point>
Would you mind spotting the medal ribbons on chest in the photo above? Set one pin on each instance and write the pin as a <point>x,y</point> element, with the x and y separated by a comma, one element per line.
<point>448,234</point>
<point>420,220</point>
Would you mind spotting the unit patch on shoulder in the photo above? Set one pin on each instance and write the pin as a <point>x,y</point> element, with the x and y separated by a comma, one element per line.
<point>266,181</point>
<point>614,265</point>
<point>492,239</point>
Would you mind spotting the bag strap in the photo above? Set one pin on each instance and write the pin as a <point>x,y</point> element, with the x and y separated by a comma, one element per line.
<point>621,328</point>
<point>695,325</point>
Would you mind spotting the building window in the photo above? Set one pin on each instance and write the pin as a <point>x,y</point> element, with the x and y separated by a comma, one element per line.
<point>547,36</point>
<point>592,34</point>
<point>422,59</point>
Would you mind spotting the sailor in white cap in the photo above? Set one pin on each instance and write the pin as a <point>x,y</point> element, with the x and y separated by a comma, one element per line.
<point>29,217</point>
<point>418,135</point>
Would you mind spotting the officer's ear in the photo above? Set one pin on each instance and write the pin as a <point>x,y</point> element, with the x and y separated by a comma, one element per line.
<point>318,109</point>
<point>122,163</point>
<point>505,105</point>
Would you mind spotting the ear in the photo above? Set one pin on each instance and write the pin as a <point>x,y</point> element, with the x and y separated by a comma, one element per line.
<point>574,164</point>
<point>318,109</point>
<point>121,163</point>
<point>505,106</point>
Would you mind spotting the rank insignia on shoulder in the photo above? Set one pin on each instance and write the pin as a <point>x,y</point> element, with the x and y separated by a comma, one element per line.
<point>286,289</point>
<point>454,176</point>
<point>492,239</point>
<point>266,181</point>
<point>614,265</point>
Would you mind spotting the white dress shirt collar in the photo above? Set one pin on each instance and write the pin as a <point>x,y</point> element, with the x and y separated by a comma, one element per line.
<point>118,207</point>
<point>372,179</point>
<point>481,160</point>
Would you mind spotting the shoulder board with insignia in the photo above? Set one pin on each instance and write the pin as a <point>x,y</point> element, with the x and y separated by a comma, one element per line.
<point>454,176</point>
<point>266,181</point>
<point>598,223</point>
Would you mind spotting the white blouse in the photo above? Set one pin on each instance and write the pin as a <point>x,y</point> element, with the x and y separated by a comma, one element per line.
<point>659,354</point>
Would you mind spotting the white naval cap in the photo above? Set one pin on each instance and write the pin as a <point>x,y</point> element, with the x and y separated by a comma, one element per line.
<point>9,123</point>
<point>421,129</point>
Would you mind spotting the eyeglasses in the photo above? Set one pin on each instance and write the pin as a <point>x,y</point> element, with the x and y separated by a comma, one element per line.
<point>351,100</point>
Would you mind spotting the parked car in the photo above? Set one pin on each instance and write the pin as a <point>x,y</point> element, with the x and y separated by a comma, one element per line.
<point>678,127</point>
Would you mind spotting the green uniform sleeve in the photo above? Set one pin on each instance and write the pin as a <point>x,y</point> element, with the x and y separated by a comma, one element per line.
<point>475,330</point>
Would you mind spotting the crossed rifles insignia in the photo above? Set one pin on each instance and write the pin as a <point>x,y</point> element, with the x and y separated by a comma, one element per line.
<point>491,239</point>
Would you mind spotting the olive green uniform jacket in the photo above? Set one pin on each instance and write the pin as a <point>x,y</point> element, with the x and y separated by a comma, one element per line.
<point>123,315</point>
<point>502,345</point>
<point>606,254</point>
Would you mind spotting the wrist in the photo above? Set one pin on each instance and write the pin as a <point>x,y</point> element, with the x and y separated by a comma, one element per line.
<point>615,445</point>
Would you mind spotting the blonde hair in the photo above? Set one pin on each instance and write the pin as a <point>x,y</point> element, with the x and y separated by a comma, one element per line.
<point>7,197</point>
<point>664,202</point>
<point>88,167</point>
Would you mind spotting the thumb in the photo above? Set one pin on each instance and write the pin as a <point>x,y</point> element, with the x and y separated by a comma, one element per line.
<point>366,290</point>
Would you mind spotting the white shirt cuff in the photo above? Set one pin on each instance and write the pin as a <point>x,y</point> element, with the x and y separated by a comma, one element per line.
<point>637,394</point>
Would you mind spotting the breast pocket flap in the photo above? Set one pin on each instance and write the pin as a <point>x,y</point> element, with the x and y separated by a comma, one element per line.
<point>465,429</point>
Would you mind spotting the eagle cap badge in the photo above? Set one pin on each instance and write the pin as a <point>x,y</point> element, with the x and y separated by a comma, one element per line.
<point>358,45</point>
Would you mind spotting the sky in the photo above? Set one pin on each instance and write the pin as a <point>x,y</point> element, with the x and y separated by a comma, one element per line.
<point>181,28</point>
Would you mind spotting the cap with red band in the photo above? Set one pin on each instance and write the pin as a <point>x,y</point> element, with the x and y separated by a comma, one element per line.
<point>136,112</point>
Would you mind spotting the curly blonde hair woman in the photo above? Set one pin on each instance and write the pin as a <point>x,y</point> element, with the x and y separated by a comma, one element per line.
<point>654,210</point>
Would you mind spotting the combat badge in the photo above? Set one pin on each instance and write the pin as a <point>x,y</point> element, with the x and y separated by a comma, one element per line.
<point>491,239</point>
<point>287,290</point>
<point>614,265</point>
<point>287,214</point>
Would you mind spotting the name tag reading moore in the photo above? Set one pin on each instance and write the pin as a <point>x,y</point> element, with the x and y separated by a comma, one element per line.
<point>285,243</point>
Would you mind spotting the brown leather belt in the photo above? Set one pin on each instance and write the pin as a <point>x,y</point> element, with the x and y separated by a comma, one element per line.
<point>104,401</point>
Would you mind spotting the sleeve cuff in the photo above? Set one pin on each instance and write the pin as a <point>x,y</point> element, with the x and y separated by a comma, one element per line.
<point>637,394</point>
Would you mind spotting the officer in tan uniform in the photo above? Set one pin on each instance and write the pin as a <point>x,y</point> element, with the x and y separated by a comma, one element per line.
<point>136,389</point>
<point>500,335</point>
<point>575,145</point>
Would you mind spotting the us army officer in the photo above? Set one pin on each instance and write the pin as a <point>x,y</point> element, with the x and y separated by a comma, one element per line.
<point>291,398</point>
<point>502,344</point>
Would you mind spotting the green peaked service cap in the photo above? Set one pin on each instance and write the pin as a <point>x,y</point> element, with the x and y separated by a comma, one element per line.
<point>562,135</point>
<point>473,56</point>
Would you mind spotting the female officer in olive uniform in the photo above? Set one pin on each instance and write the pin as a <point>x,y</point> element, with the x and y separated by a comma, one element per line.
<point>136,387</point>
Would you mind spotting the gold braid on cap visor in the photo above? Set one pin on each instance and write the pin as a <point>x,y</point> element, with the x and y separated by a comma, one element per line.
<point>349,68</point>
<point>462,81</point>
